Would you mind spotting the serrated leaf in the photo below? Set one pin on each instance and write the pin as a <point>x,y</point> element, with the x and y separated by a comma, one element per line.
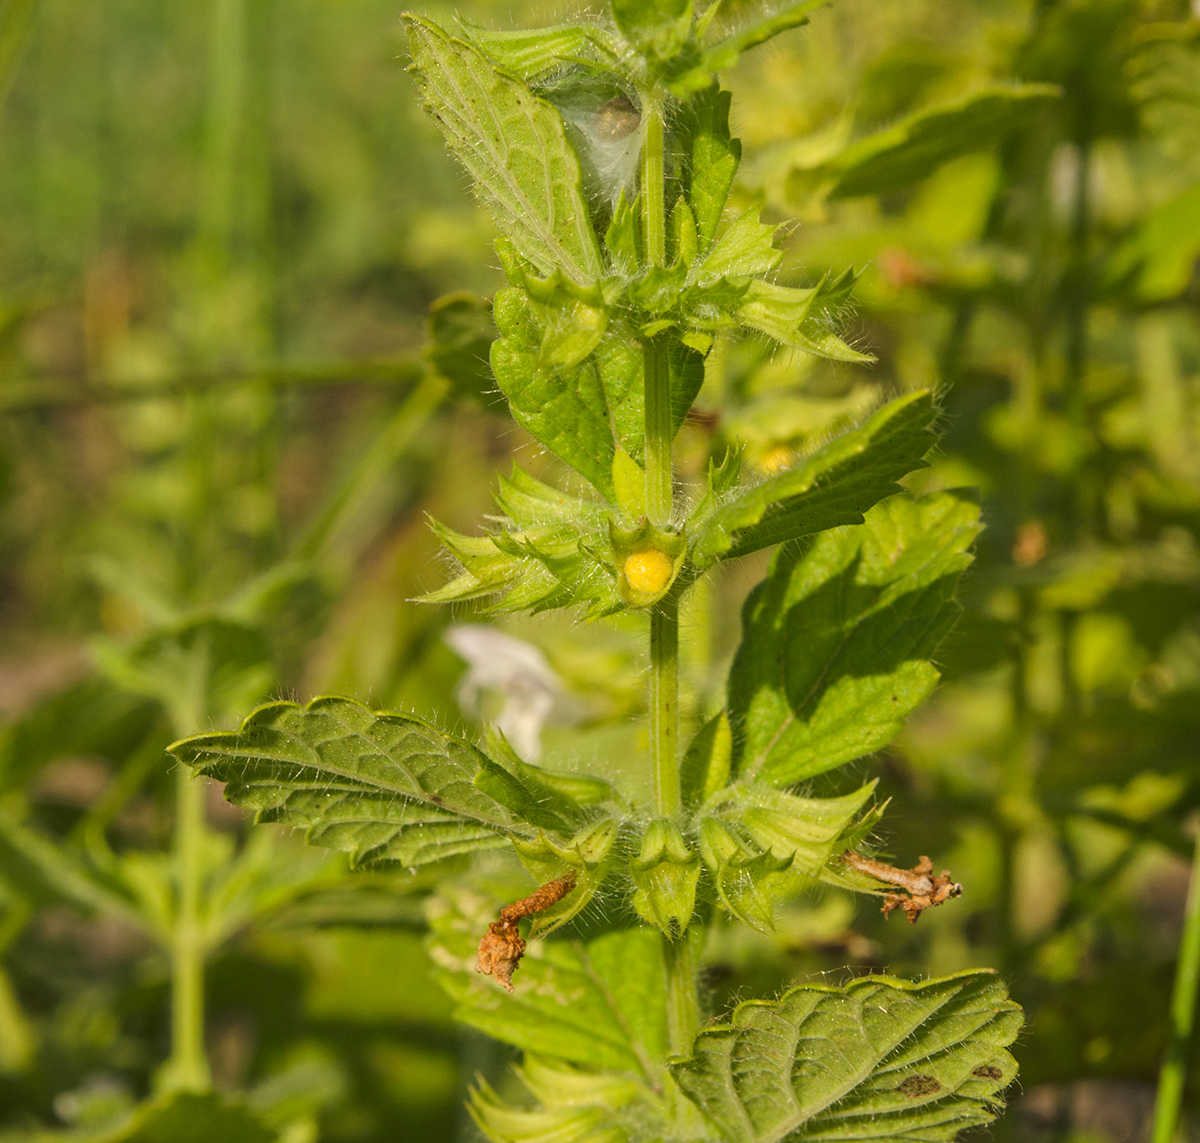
<point>763,846</point>
<point>514,146</point>
<point>539,558</point>
<point>837,639</point>
<point>880,1059</point>
<point>914,148</point>
<point>589,854</point>
<point>835,485</point>
<point>786,314</point>
<point>564,409</point>
<point>382,786</point>
<point>598,1004</point>
<point>746,249</point>
<point>715,157</point>
<point>575,1106</point>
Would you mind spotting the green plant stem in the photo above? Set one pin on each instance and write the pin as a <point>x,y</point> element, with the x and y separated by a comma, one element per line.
<point>664,704</point>
<point>656,350</point>
<point>15,19</point>
<point>653,178</point>
<point>408,424</point>
<point>1183,1016</point>
<point>188,1066</point>
<point>683,1013</point>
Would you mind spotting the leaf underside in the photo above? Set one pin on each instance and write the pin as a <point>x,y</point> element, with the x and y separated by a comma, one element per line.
<point>514,146</point>
<point>385,787</point>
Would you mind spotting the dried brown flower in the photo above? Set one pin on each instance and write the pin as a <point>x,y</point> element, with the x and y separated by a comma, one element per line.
<point>502,946</point>
<point>921,889</point>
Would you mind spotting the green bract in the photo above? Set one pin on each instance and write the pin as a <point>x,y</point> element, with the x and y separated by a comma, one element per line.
<point>605,156</point>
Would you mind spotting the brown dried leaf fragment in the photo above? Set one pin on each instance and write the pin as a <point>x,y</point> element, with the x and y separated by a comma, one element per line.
<point>502,946</point>
<point>921,889</point>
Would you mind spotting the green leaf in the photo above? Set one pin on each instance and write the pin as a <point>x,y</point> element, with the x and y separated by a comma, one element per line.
<point>724,53</point>
<point>539,559</point>
<point>382,786</point>
<point>598,1004</point>
<point>575,1105</point>
<point>837,639</point>
<point>209,668</point>
<point>566,410</point>
<point>187,1118</point>
<point>589,854</point>
<point>458,335</point>
<point>533,53</point>
<point>787,314</point>
<point>762,846</point>
<point>1160,255</point>
<point>705,767</point>
<point>655,28</point>
<point>715,157</point>
<point>540,797</point>
<point>514,146</point>
<point>915,147</point>
<point>689,76</point>
<point>880,1059</point>
<point>835,485</point>
<point>687,376</point>
<point>746,249</point>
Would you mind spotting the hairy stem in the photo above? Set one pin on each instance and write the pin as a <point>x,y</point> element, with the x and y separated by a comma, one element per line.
<point>653,178</point>
<point>1183,1016</point>
<point>188,1067</point>
<point>683,1013</point>
<point>680,969</point>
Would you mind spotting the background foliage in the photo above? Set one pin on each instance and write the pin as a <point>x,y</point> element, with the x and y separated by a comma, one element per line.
<point>226,407</point>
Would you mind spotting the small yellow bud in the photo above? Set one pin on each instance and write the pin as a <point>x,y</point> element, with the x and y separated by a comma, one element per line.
<point>648,571</point>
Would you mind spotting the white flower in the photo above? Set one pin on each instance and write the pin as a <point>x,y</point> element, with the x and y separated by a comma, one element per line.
<point>519,673</point>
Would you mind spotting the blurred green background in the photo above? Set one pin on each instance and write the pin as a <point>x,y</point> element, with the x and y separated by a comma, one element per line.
<point>233,385</point>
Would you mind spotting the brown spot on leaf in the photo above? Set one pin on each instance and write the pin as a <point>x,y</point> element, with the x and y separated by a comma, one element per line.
<point>988,1072</point>
<point>916,1086</point>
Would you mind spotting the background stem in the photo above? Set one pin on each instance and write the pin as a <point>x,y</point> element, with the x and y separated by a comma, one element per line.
<point>187,1069</point>
<point>1183,1016</point>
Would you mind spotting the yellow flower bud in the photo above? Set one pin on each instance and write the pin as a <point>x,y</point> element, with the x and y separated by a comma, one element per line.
<point>648,571</point>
